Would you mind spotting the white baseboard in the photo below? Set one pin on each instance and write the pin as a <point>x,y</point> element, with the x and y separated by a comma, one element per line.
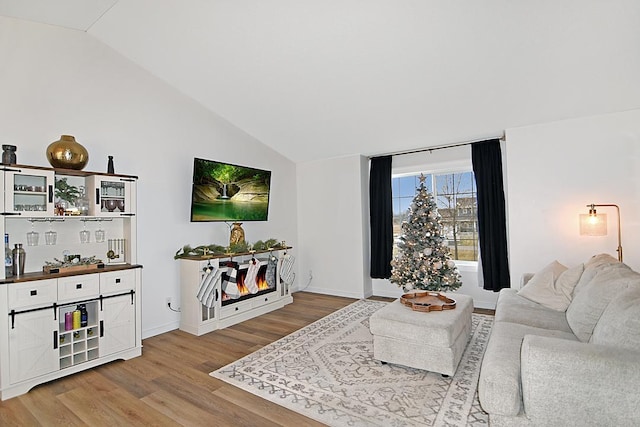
<point>333,292</point>
<point>148,333</point>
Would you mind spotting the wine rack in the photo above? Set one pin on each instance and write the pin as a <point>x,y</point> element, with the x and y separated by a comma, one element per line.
<point>81,344</point>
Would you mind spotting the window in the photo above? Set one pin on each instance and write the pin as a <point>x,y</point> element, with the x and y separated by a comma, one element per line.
<point>455,195</point>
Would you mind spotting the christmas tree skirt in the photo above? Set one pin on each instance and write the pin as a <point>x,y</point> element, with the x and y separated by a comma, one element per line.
<point>327,372</point>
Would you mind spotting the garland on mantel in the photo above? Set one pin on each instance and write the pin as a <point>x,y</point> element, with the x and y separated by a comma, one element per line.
<point>243,247</point>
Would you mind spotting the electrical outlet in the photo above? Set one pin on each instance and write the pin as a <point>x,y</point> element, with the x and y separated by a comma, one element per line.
<point>169,302</point>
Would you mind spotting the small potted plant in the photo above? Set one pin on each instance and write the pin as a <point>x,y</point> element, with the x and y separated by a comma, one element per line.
<point>66,194</point>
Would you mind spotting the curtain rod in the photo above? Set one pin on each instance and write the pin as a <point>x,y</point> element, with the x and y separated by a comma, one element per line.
<point>439,147</point>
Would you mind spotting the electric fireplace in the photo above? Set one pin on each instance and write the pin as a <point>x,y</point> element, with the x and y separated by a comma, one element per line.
<point>238,284</point>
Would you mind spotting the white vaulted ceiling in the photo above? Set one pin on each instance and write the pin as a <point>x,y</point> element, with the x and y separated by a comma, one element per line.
<point>324,78</point>
<point>75,14</point>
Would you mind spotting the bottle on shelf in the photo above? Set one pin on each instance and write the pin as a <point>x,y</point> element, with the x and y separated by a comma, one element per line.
<point>8,257</point>
<point>68,321</point>
<point>76,319</point>
<point>83,315</point>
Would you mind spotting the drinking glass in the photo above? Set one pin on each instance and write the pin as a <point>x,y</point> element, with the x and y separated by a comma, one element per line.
<point>99,235</point>
<point>85,236</point>
<point>50,237</point>
<point>32,238</point>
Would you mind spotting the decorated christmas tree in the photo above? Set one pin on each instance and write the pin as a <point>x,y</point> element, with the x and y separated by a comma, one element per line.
<point>424,261</point>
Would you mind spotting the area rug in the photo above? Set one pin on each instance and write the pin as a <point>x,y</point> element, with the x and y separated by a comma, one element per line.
<point>326,371</point>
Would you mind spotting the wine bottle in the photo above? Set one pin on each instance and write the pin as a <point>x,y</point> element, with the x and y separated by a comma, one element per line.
<point>8,257</point>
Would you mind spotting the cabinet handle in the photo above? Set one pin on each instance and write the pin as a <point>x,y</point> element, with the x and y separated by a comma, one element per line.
<point>50,193</point>
<point>118,280</point>
<point>55,339</point>
<point>102,328</point>
<point>97,196</point>
<point>33,292</point>
<point>78,285</point>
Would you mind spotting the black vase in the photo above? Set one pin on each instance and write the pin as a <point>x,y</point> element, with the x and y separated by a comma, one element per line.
<point>9,154</point>
<point>110,165</point>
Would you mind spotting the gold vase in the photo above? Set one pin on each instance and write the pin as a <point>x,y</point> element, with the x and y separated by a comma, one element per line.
<point>67,153</point>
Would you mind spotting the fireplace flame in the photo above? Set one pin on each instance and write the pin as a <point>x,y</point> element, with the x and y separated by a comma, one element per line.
<point>261,282</point>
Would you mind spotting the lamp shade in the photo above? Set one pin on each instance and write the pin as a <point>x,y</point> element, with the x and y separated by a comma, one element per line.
<point>593,225</point>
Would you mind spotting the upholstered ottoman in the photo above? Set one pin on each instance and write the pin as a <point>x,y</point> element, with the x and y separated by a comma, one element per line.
<point>433,341</point>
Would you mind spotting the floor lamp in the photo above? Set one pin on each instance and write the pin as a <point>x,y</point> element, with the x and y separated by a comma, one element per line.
<point>595,224</point>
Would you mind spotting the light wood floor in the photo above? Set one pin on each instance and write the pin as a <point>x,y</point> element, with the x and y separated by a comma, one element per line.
<point>170,383</point>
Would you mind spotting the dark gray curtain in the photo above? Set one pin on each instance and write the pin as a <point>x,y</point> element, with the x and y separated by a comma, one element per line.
<point>381,217</point>
<point>492,220</point>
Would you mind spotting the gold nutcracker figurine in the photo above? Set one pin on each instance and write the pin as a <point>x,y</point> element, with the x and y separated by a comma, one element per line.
<point>237,234</point>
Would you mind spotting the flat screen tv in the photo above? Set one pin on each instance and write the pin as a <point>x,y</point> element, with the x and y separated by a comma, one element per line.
<point>227,192</point>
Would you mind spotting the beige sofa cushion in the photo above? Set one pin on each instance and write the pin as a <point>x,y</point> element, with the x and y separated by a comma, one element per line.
<point>600,260</point>
<point>499,383</point>
<point>552,287</point>
<point>541,287</point>
<point>590,302</point>
<point>619,324</point>
<point>592,267</point>
<point>514,308</point>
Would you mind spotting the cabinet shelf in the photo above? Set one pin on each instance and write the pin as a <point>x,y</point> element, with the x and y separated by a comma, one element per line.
<point>30,193</point>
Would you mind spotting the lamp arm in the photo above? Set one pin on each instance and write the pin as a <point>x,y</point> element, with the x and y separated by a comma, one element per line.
<point>619,250</point>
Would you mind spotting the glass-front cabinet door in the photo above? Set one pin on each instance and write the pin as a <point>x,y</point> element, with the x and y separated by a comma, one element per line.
<point>29,192</point>
<point>111,196</point>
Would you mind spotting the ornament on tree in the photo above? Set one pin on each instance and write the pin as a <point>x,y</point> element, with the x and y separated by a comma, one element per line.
<point>424,262</point>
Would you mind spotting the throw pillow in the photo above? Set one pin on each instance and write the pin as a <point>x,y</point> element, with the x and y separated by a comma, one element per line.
<point>619,325</point>
<point>600,260</point>
<point>595,264</point>
<point>542,288</point>
<point>568,281</point>
<point>588,305</point>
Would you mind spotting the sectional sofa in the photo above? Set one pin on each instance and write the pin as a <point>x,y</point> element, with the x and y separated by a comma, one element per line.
<point>565,348</point>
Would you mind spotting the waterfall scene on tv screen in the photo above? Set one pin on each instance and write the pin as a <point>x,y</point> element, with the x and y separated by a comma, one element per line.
<point>227,192</point>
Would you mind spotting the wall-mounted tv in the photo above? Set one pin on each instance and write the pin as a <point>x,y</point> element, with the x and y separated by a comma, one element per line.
<point>227,192</point>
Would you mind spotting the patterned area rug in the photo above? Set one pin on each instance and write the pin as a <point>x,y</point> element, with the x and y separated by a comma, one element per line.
<point>326,371</point>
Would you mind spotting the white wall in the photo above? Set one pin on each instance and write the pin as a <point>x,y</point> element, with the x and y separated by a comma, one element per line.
<point>333,209</point>
<point>446,160</point>
<point>554,171</point>
<point>331,228</point>
<point>56,81</point>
